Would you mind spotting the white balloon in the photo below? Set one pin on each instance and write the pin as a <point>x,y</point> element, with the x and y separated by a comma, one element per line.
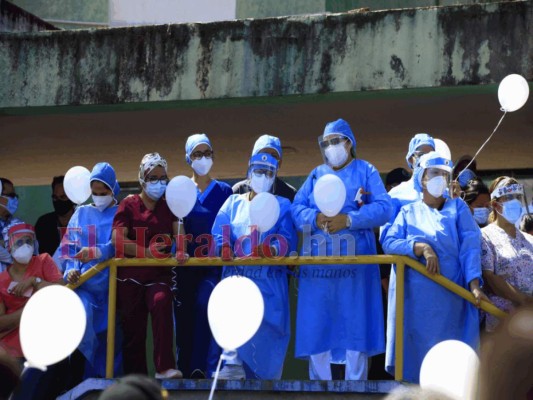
<point>451,367</point>
<point>235,311</point>
<point>181,195</point>
<point>77,184</point>
<point>329,194</point>
<point>51,326</point>
<point>264,211</point>
<point>442,148</point>
<point>513,92</point>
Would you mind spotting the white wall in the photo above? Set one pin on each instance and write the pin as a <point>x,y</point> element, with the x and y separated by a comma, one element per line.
<point>152,12</point>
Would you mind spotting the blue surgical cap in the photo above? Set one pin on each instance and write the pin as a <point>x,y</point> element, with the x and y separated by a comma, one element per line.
<point>465,176</point>
<point>340,127</point>
<point>267,142</point>
<point>430,160</point>
<point>194,141</point>
<point>104,172</point>
<point>420,139</point>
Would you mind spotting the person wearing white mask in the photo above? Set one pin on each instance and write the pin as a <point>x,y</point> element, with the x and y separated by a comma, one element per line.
<point>262,357</point>
<point>27,274</point>
<point>197,351</point>
<point>340,309</point>
<point>476,194</point>
<point>8,207</point>
<point>143,228</point>
<point>268,144</point>
<point>86,243</point>
<point>507,253</point>
<point>441,233</point>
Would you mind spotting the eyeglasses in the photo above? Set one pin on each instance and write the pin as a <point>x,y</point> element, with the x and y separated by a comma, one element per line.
<point>155,179</point>
<point>199,154</point>
<point>23,241</point>
<point>332,142</point>
<point>266,172</point>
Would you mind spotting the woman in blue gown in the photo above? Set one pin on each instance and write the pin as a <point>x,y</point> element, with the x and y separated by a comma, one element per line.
<point>197,351</point>
<point>86,243</point>
<point>263,355</point>
<point>442,234</point>
<point>340,311</point>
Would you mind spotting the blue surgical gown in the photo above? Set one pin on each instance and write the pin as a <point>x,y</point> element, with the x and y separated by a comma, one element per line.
<point>264,353</point>
<point>340,306</point>
<point>91,228</point>
<point>431,312</point>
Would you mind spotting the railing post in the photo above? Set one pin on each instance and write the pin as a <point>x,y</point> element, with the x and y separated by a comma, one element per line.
<point>400,280</point>
<point>111,319</point>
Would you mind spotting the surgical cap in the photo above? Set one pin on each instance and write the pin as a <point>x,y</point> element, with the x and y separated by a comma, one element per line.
<point>465,176</point>
<point>193,142</point>
<point>17,230</point>
<point>267,142</point>
<point>340,127</point>
<point>430,160</point>
<point>149,162</point>
<point>420,139</point>
<point>104,172</point>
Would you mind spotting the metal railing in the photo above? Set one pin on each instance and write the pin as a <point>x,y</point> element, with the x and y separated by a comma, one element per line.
<point>401,263</point>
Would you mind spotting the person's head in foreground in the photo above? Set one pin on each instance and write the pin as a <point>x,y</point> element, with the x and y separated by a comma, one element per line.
<point>134,387</point>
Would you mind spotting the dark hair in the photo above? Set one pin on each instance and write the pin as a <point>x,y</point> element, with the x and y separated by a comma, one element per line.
<point>397,175</point>
<point>527,223</point>
<point>57,180</point>
<point>133,387</point>
<point>4,182</point>
<point>473,189</point>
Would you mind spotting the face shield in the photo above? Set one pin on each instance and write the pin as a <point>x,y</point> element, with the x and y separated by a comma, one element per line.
<point>511,199</point>
<point>262,171</point>
<point>334,149</point>
<point>437,175</point>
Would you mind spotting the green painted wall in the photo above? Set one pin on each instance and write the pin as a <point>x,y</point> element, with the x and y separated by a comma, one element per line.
<point>73,10</point>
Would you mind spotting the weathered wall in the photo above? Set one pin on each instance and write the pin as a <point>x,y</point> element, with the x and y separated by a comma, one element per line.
<point>312,54</point>
<point>15,19</point>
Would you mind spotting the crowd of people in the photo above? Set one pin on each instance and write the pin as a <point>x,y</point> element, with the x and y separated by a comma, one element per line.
<point>441,215</point>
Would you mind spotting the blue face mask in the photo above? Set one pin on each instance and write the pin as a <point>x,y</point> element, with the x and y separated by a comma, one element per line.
<point>512,210</point>
<point>12,204</point>
<point>155,190</point>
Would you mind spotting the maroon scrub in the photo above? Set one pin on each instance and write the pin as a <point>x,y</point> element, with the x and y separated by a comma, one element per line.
<point>143,290</point>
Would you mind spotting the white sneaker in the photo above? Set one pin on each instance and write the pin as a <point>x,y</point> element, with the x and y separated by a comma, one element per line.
<point>231,372</point>
<point>169,374</point>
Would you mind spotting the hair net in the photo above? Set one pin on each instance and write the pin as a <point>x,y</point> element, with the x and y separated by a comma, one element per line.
<point>420,139</point>
<point>194,141</point>
<point>267,141</point>
<point>430,160</point>
<point>105,173</point>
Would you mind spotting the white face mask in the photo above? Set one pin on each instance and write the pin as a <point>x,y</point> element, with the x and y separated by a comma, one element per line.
<point>512,210</point>
<point>336,154</point>
<point>155,190</point>
<point>261,183</point>
<point>202,166</point>
<point>481,215</point>
<point>102,202</point>
<point>436,186</point>
<point>23,254</point>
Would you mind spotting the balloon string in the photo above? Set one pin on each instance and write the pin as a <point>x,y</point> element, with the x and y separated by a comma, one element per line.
<point>213,385</point>
<point>483,145</point>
